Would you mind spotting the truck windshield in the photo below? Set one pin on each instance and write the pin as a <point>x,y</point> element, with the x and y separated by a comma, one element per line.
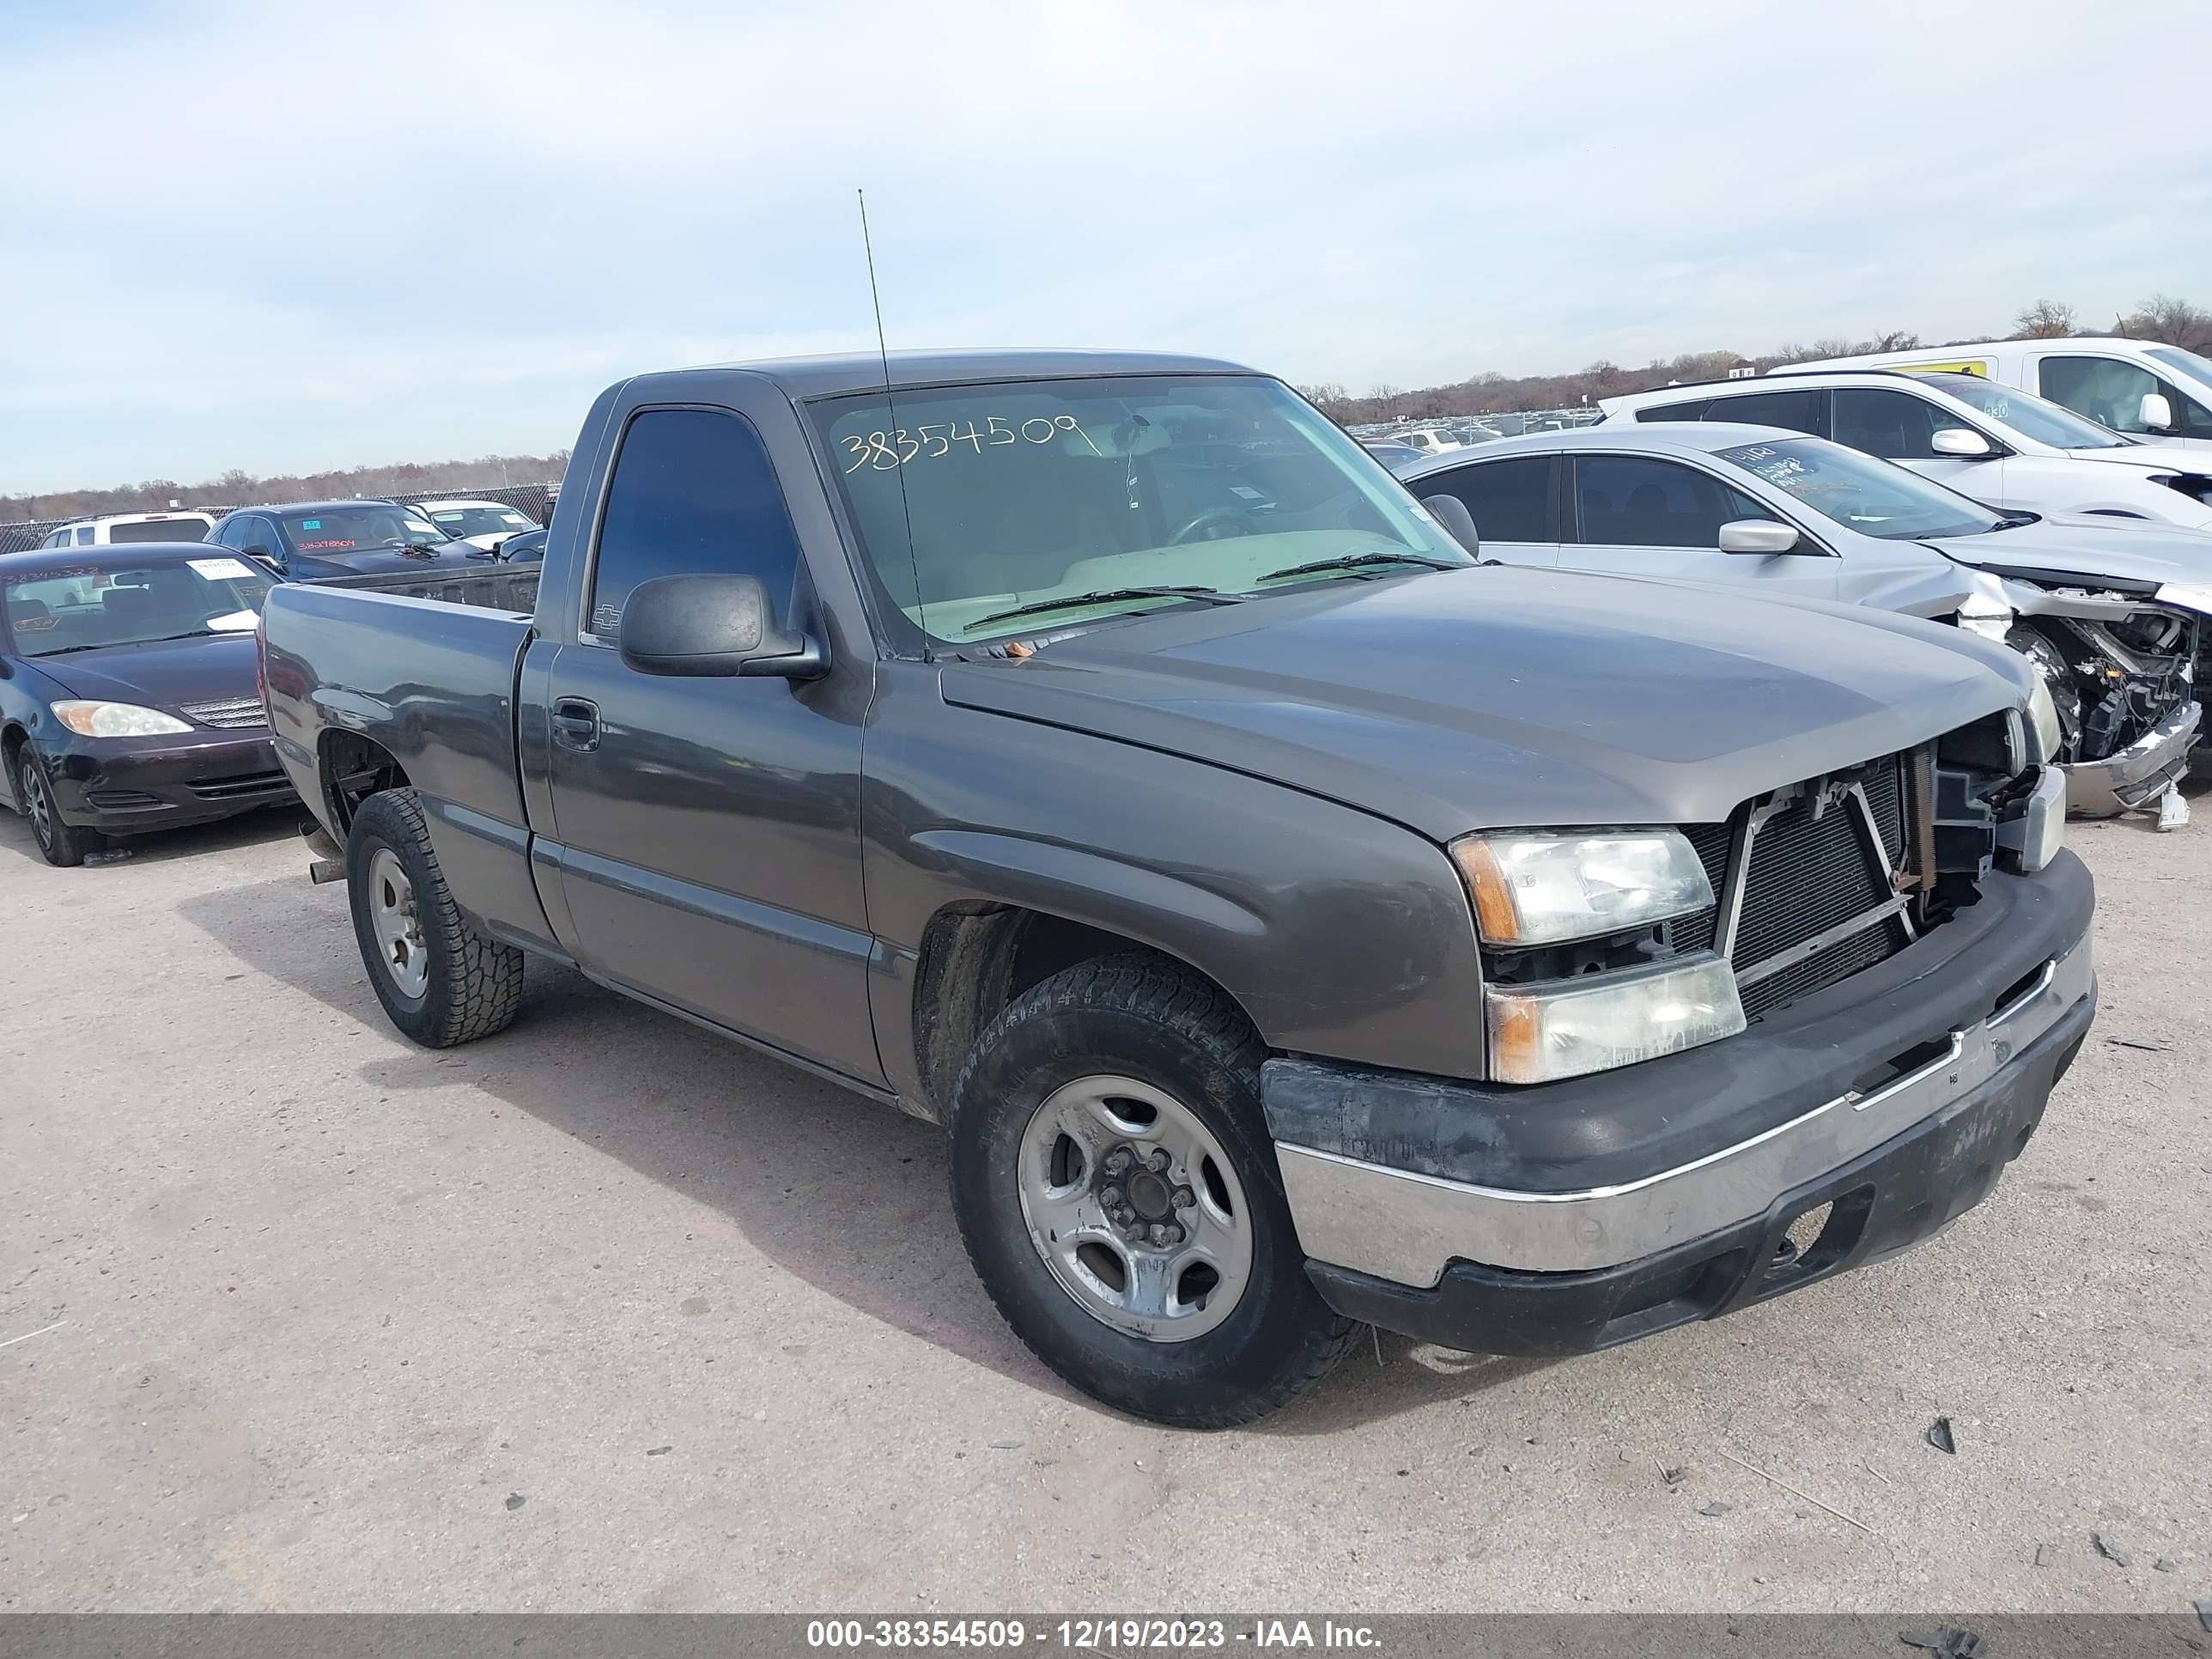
<point>1868,495</point>
<point>51,611</point>
<point>971,500</point>
<point>340,529</point>
<point>2044,421</point>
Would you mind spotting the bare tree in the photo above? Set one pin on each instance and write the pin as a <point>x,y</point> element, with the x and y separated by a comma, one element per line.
<point>2047,319</point>
<point>2171,322</point>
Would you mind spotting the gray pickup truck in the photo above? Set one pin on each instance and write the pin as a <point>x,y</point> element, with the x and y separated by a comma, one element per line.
<point>1293,920</point>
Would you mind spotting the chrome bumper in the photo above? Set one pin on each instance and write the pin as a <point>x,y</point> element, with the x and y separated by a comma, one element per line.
<point>2140,773</point>
<point>1407,1227</point>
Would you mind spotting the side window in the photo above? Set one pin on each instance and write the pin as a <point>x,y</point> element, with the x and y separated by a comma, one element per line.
<point>1799,410</point>
<point>1633,501</point>
<point>1510,500</point>
<point>225,534</point>
<point>1693,411</point>
<point>2105,389</point>
<point>692,492</point>
<point>1894,425</point>
<point>84,534</point>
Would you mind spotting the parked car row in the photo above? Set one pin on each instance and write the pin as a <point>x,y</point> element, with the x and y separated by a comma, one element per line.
<point>1300,908</point>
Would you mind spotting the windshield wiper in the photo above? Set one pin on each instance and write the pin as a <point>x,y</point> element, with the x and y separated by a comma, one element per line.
<point>1353,560</point>
<point>1107,596</point>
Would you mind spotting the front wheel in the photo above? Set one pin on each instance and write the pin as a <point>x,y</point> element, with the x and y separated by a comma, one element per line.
<point>1118,1193</point>
<point>440,979</point>
<point>61,844</point>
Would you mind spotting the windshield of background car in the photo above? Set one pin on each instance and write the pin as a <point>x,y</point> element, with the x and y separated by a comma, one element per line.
<point>1868,495</point>
<point>460,521</point>
<point>2187,364</point>
<point>159,530</point>
<point>1026,490</point>
<point>344,528</point>
<point>52,611</point>
<point>2046,421</point>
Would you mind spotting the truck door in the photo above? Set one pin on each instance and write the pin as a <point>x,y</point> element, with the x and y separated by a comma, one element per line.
<point>707,830</point>
<point>1639,515</point>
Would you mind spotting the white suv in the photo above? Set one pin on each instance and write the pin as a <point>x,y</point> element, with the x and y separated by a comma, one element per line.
<point>1994,442</point>
<point>131,527</point>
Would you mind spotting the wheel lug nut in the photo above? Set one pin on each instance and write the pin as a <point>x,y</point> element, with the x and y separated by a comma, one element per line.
<point>1125,1215</point>
<point>1173,1233</point>
<point>1159,1231</point>
<point>1111,1197</point>
<point>1184,1198</point>
<point>1161,1160</point>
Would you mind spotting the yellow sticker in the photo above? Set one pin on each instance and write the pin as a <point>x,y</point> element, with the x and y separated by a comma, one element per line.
<point>1972,366</point>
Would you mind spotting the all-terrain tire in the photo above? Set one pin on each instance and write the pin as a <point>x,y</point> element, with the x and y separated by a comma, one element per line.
<point>1144,1018</point>
<point>473,983</point>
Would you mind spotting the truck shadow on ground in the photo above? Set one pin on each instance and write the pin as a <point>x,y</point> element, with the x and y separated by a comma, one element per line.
<point>844,1196</point>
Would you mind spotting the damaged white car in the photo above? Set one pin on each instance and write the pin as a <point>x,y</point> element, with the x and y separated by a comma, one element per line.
<point>2112,614</point>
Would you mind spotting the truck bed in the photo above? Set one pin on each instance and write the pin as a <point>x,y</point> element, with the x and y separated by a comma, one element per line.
<point>492,587</point>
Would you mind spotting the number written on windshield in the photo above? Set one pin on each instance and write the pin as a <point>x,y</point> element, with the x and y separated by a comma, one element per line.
<point>888,451</point>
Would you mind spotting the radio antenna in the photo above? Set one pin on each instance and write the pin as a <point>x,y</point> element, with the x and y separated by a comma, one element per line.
<point>884,356</point>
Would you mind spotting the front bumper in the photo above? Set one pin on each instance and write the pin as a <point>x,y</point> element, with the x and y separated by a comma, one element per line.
<point>2139,773</point>
<point>122,785</point>
<point>1623,1201</point>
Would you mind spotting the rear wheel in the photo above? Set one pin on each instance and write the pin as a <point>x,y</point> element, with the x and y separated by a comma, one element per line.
<point>60,843</point>
<point>440,980</point>
<point>1118,1193</point>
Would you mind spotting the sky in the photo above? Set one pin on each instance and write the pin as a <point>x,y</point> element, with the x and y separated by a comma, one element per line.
<point>282,237</point>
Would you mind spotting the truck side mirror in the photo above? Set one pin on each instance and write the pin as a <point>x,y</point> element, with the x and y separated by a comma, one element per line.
<point>257,551</point>
<point>1960,443</point>
<point>1451,512</point>
<point>718,625</point>
<point>1758,536</point>
<point>2156,412</point>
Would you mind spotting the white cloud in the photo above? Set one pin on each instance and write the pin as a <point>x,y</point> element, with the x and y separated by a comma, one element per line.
<point>287,235</point>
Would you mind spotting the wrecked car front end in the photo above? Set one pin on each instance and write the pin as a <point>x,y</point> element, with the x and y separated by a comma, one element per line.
<point>2119,660</point>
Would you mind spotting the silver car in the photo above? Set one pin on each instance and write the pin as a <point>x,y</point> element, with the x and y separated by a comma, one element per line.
<point>2110,612</point>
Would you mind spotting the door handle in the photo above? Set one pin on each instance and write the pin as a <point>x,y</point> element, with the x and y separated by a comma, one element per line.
<point>576,723</point>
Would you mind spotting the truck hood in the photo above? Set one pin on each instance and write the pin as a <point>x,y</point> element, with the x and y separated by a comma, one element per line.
<point>2134,553</point>
<point>159,674</point>
<point>1498,696</point>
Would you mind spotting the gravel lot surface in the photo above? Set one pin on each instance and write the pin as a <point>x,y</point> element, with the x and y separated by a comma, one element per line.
<point>602,1314</point>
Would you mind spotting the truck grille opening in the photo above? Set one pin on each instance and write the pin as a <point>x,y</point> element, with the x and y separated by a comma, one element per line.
<point>1811,863</point>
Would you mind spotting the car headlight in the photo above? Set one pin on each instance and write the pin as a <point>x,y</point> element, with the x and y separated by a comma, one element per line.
<point>2043,729</point>
<point>1540,887</point>
<point>117,720</point>
<point>1540,1033</point>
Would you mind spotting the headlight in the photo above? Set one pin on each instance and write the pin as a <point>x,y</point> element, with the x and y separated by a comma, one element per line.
<point>117,720</point>
<point>1540,887</point>
<point>1539,1034</point>
<point>2043,727</point>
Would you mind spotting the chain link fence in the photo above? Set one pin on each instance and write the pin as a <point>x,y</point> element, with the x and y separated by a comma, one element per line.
<point>535,500</point>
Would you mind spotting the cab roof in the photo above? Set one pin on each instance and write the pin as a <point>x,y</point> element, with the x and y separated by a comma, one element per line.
<point>828,376</point>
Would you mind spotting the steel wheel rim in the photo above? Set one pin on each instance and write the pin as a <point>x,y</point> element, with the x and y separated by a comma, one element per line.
<point>396,928</point>
<point>1076,1199</point>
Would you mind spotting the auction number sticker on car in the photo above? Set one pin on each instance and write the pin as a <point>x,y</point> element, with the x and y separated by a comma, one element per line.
<point>886,451</point>
<point>220,571</point>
